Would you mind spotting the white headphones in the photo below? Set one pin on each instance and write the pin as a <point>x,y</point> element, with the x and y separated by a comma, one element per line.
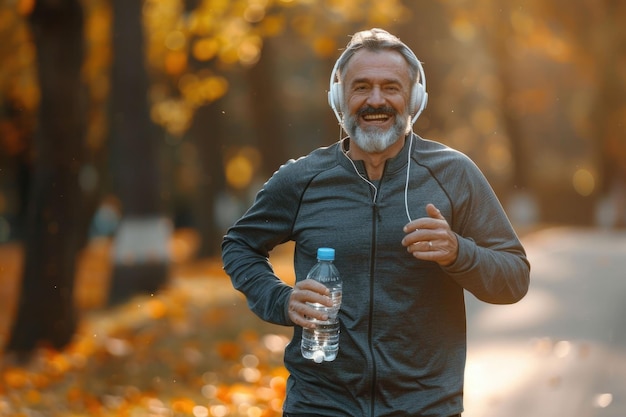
<point>418,101</point>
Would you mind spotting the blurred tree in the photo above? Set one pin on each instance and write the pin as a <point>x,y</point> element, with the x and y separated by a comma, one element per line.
<point>206,134</point>
<point>428,35</point>
<point>18,106</point>
<point>607,44</point>
<point>591,40</point>
<point>141,243</point>
<point>267,115</point>
<point>200,176</point>
<point>498,34</point>
<point>56,219</point>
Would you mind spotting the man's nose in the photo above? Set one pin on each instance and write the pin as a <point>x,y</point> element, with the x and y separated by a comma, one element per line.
<point>376,97</point>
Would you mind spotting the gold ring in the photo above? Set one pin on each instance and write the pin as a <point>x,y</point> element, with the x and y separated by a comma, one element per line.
<point>430,244</point>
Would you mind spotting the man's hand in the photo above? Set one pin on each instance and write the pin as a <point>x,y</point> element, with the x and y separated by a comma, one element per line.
<point>431,239</point>
<point>308,291</point>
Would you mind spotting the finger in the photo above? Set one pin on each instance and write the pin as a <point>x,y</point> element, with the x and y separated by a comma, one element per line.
<point>302,313</point>
<point>413,226</point>
<point>312,286</point>
<point>421,246</point>
<point>300,319</point>
<point>433,212</point>
<point>301,301</point>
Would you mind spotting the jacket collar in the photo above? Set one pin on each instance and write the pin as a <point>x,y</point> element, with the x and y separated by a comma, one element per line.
<point>392,165</point>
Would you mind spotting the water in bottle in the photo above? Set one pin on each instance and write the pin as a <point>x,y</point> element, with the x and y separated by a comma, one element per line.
<point>322,343</point>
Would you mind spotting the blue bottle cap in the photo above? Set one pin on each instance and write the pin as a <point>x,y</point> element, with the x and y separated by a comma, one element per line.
<point>326,254</point>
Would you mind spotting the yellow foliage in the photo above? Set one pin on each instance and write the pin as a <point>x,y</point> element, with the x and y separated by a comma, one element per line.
<point>15,378</point>
<point>175,62</point>
<point>272,26</point>
<point>33,396</point>
<point>205,49</point>
<point>249,51</point>
<point>226,33</point>
<point>325,46</point>
<point>175,40</point>
<point>74,394</point>
<point>25,7</point>
<point>157,309</point>
<point>584,182</point>
<point>239,172</point>
<point>463,28</point>
<point>183,405</point>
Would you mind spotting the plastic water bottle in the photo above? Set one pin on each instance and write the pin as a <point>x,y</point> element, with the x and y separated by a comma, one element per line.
<point>322,343</point>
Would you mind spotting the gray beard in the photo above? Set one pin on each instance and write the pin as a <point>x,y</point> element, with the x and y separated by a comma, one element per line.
<point>373,139</point>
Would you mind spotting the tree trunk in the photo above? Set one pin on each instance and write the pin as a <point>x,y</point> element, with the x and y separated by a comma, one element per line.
<point>206,134</point>
<point>55,226</point>
<point>267,108</point>
<point>140,254</point>
<point>521,203</point>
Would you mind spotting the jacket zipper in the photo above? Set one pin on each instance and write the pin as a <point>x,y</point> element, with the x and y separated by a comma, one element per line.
<point>375,216</point>
<point>371,308</point>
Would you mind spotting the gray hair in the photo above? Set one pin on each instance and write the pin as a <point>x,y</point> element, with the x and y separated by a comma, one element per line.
<point>378,40</point>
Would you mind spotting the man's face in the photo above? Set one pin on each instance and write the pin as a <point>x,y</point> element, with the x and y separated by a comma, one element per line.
<point>377,87</point>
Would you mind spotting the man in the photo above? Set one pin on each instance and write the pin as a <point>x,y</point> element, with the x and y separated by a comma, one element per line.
<point>414,224</point>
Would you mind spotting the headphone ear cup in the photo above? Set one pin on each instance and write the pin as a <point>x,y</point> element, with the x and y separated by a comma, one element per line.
<point>335,96</point>
<point>417,98</point>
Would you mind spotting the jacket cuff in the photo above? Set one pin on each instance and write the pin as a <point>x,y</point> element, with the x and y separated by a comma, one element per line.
<point>464,257</point>
<point>287,320</point>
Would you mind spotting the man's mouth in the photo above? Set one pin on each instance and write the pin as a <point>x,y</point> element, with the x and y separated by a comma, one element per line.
<point>378,116</point>
<point>370,114</point>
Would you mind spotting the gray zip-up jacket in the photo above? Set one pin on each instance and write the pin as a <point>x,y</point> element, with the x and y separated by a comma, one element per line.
<point>402,345</point>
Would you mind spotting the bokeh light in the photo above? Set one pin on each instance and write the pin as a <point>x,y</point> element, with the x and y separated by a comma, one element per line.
<point>584,182</point>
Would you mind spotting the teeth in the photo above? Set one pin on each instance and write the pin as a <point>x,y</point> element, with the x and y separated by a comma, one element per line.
<point>375,117</point>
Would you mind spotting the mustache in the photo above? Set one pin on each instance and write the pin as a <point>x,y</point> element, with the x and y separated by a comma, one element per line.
<point>376,110</point>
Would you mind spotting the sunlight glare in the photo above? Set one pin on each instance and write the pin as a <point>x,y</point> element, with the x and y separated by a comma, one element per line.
<point>463,29</point>
<point>200,411</point>
<point>250,374</point>
<point>175,40</point>
<point>254,412</point>
<point>250,361</point>
<point>602,400</point>
<point>249,51</point>
<point>219,411</point>
<point>562,349</point>
<point>275,343</point>
<point>583,182</point>
<point>537,307</point>
<point>209,391</point>
<point>239,172</point>
<point>205,49</point>
<point>254,13</point>
<point>491,374</point>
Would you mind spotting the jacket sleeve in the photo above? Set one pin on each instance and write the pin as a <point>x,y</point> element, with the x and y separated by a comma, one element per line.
<point>247,244</point>
<point>491,262</point>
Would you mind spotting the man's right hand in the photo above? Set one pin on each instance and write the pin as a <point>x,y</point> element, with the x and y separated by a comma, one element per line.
<point>308,291</point>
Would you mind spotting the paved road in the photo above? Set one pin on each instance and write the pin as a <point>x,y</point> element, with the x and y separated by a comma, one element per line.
<point>561,351</point>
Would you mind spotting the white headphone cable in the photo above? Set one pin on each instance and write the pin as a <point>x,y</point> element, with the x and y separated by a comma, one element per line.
<point>406,184</point>
<point>359,174</point>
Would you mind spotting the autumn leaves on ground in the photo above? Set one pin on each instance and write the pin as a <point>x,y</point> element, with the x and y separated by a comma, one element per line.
<point>191,349</point>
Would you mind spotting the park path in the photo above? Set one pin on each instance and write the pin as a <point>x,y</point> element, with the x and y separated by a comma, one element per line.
<point>561,351</point>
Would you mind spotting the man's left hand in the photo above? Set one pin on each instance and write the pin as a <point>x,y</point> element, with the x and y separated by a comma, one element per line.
<point>431,239</point>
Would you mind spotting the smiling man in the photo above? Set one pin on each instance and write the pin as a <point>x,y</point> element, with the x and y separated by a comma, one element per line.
<point>414,224</point>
